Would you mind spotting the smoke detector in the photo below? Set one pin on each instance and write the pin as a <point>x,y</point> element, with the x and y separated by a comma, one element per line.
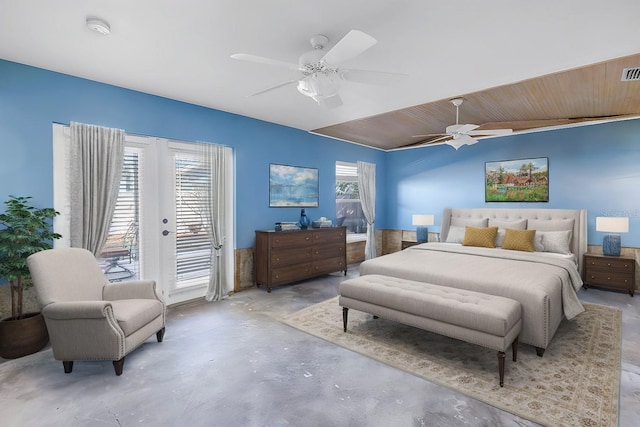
<point>98,25</point>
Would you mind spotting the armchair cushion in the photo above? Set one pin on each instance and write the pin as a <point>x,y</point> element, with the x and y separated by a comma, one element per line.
<point>70,310</point>
<point>133,314</point>
<point>134,289</point>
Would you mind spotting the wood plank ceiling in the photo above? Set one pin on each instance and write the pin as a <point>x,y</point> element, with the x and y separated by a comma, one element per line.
<point>583,94</point>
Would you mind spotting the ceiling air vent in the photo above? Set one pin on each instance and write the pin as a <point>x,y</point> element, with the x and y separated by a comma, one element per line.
<point>630,74</point>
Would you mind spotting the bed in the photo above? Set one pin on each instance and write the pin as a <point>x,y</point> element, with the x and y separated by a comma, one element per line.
<point>545,281</point>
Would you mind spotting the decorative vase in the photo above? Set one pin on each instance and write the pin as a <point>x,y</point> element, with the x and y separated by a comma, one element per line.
<point>304,220</point>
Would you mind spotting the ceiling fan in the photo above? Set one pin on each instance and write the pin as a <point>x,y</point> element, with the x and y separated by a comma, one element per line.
<point>320,74</point>
<point>461,134</point>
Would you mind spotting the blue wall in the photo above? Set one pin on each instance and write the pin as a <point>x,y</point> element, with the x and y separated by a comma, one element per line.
<point>31,99</point>
<point>593,167</point>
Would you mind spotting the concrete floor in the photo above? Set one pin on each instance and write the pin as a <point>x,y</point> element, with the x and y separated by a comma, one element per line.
<point>233,363</point>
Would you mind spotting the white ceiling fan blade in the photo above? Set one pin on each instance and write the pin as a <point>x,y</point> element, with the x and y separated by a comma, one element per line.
<point>492,132</point>
<point>330,102</point>
<point>350,46</point>
<point>263,60</point>
<point>463,129</point>
<point>274,87</point>
<point>431,134</point>
<point>372,77</point>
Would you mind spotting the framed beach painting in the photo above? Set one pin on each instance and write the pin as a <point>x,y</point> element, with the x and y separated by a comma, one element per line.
<point>292,186</point>
<point>521,180</point>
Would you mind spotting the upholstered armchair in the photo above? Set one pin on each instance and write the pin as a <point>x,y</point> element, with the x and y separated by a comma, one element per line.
<point>87,317</point>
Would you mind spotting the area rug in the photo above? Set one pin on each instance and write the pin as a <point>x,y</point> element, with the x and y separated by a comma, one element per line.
<point>576,383</point>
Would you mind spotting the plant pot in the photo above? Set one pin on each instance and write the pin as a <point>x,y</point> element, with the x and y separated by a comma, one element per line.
<point>23,336</point>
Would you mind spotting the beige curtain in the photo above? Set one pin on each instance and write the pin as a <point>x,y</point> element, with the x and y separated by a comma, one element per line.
<point>216,162</point>
<point>96,157</point>
<point>367,188</point>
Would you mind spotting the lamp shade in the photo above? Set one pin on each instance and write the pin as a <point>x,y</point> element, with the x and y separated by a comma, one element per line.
<point>422,219</point>
<point>612,224</point>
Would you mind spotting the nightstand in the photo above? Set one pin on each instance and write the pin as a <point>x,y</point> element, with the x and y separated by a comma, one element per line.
<point>612,272</point>
<point>408,243</point>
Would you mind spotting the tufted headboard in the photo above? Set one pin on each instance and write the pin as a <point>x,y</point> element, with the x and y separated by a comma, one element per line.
<point>579,235</point>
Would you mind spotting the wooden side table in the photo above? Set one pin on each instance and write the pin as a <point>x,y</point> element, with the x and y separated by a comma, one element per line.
<point>611,272</point>
<point>408,243</point>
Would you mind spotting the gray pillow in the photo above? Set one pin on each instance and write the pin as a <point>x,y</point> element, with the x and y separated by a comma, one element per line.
<point>519,224</point>
<point>553,241</point>
<point>471,222</point>
<point>455,235</point>
<point>502,224</point>
<point>550,224</point>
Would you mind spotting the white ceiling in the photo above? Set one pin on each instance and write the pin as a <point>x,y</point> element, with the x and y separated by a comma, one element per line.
<point>181,49</point>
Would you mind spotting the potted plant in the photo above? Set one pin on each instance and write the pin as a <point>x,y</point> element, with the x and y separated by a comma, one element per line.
<point>24,230</point>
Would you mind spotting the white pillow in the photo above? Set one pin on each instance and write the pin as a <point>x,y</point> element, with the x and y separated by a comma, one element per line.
<point>550,224</point>
<point>520,224</point>
<point>553,241</point>
<point>471,222</point>
<point>455,235</point>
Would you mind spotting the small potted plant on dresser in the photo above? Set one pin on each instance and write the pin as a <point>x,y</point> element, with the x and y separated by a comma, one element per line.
<point>24,230</point>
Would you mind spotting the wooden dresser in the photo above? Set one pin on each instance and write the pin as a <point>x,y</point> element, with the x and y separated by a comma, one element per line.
<point>284,257</point>
<point>613,272</point>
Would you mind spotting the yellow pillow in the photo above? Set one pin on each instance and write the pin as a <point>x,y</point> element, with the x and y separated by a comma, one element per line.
<point>519,240</point>
<point>484,236</point>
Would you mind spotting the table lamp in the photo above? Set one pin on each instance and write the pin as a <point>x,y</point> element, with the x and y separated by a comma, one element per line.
<point>421,221</point>
<point>612,225</point>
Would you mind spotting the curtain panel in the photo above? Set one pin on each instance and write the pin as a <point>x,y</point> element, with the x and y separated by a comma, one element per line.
<point>367,186</point>
<point>216,162</point>
<point>96,156</point>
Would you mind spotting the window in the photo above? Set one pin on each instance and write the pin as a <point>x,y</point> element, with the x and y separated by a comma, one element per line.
<point>348,207</point>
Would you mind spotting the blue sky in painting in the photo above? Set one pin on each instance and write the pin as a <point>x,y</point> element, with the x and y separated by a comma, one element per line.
<point>514,165</point>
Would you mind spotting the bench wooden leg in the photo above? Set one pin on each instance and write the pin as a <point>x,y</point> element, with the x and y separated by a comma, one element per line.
<point>540,351</point>
<point>514,349</point>
<point>501,367</point>
<point>345,314</point>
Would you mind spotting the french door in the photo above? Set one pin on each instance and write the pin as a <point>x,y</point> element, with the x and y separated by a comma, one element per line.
<point>157,231</point>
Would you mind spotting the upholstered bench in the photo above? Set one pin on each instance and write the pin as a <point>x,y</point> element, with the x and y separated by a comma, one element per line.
<point>486,320</point>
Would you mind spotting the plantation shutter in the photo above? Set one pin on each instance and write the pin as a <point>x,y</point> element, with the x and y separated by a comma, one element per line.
<point>192,179</point>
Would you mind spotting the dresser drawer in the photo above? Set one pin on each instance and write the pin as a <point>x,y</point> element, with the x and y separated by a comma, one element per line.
<point>607,264</point>
<point>330,235</point>
<point>285,239</point>
<point>617,280</point>
<point>328,251</point>
<point>329,265</point>
<point>291,273</point>
<point>282,257</point>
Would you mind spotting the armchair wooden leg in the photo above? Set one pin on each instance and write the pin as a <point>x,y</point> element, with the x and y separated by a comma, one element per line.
<point>68,366</point>
<point>160,335</point>
<point>118,365</point>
